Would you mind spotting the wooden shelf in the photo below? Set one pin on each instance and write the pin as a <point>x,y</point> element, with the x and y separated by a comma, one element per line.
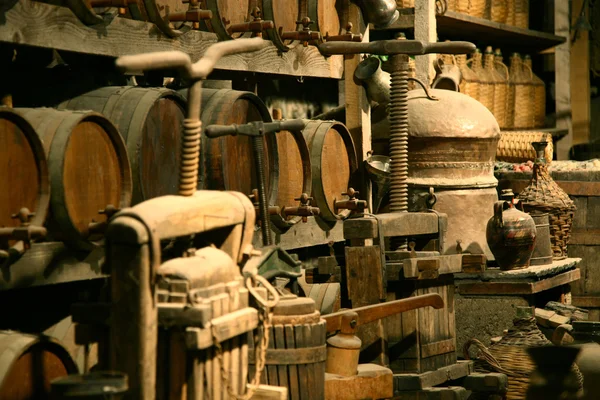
<point>483,32</point>
<point>42,25</point>
<point>48,264</point>
<point>304,235</point>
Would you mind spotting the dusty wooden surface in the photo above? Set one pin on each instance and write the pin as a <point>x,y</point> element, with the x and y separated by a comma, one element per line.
<point>533,273</point>
<point>372,382</point>
<point>409,382</point>
<point>304,235</point>
<point>42,25</point>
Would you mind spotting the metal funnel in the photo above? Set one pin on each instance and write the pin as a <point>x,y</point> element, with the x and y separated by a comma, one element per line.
<point>378,169</point>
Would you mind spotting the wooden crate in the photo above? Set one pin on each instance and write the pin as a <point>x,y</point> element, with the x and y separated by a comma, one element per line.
<point>584,188</point>
<point>425,339</point>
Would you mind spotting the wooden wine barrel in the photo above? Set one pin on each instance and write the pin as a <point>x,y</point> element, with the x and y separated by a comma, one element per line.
<point>29,363</point>
<point>294,172</point>
<point>325,15</point>
<point>333,160</point>
<point>227,163</point>
<point>88,168</point>
<point>24,170</point>
<point>327,296</point>
<point>296,325</point>
<point>228,11</point>
<point>151,122</point>
<point>284,14</point>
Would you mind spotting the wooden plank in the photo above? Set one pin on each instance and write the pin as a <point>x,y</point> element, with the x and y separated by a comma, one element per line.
<point>280,344</point>
<point>304,235</point>
<point>294,386</point>
<point>37,24</point>
<point>302,369</point>
<point>425,30</point>
<point>580,78</point>
<point>510,288</point>
<point>435,348</point>
<point>585,237</point>
<point>414,267</point>
<point>586,301</point>
<point>266,392</point>
<point>410,382</point>
<point>358,108</point>
<point>394,224</point>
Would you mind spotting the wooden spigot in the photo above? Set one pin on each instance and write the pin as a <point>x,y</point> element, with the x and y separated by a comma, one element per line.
<point>121,4</point>
<point>304,210</point>
<point>345,37</point>
<point>25,232</point>
<point>194,14</point>
<point>100,227</point>
<point>352,204</point>
<point>305,35</point>
<point>256,26</point>
<point>343,349</point>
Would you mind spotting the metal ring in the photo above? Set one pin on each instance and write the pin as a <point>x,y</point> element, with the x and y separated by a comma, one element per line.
<point>263,302</point>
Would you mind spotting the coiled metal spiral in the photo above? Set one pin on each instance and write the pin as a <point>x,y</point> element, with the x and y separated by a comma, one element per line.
<point>190,155</point>
<point>259,151</point>
<point>398,111</point>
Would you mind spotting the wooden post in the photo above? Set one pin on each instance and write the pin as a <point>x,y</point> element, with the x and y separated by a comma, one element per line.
<point>358,109</point>
<point>580,78</point>
<point>562,67</point>
<point>426,30</point>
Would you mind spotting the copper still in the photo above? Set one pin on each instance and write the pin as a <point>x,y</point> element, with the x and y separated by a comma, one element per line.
<point>452,147</point>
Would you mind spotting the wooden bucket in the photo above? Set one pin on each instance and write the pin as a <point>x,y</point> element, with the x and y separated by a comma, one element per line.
<point>227,163</point>
<point>150,121</point>
<point>333,160</point>
<point>88,170</point>
<point>294,173</point>
<point>295,357</point>
<point>29,363</point>
<point>24,170</point>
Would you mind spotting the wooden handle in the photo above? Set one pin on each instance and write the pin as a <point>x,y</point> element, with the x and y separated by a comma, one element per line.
<point>366,314</point>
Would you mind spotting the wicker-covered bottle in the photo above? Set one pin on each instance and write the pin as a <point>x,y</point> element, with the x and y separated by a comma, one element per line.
<point>520,107</point>
<point>539,96</point>
<point>469,83</point>
<point>545,196</point>
<point>486,84</point>
<point>509,356</point>
<point>475,8</point>
<point>521,15</point>
<point>499,87</point>
<point>498,10</point>
<point>501,91</point>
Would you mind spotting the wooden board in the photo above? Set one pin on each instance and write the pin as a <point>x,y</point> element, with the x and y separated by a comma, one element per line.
<point>304,235</point>
<point>529,274</point>
<point>408,382</point>
<point>513,288</point>
<point>42,25</point>
<point>394,224</point>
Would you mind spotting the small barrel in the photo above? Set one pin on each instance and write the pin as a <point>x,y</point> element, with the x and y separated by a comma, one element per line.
<point>24,170</point>
<point>542,251</point>
<point>88,168</point>
<point>228,162</point>
<point>333,160</point>
<point>28,364</point>
<point>295,357</point>
<point>151,122</point>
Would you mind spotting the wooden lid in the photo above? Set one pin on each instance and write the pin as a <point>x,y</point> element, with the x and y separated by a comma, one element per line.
<point>160,153</point>
<point>92,174</point>
<point>24,170</point>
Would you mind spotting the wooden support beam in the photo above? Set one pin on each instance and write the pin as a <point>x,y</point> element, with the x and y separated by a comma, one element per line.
<point>562,66</point>
<point>426,30</point>
<point>394,224</point>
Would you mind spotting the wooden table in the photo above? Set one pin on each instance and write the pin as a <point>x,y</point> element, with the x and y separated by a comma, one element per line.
<point>485,302</point>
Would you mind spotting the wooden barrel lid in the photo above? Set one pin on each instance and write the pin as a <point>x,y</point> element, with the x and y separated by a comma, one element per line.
<point>228,162</point>
<point>327,17</point>
<point>24,170</point>
<point>29,365</point>
<point>333,160</point>
<point>88,168</point>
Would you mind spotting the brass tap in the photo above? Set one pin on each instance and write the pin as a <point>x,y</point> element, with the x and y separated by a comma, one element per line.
<point>304,210</point>
<point>345,37</point>
<point>256,25</point>
<point>194,14</point>
<point>25,232</point>
<point>352,204</point>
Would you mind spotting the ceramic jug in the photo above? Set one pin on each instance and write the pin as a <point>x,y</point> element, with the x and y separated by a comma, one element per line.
<point>511,233</point>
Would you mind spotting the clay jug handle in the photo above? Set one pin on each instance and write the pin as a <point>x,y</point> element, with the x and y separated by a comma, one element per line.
<point>438,64</point>
<point>498,208</point>
<point>562,335</point>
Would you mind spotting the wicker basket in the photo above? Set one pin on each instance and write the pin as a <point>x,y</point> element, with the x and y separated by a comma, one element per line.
<point>510,12</point>
<point>501,91</point>
<point>521,110</point>
<point>486,81</point>
<point>498,10</point>
<point>539,96</point>
<point>509,356</point>
<point>515,146</point>
<point>521,15</point>
<point>469,83</point>
<point>544,195</point>
<point>475,8</point>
